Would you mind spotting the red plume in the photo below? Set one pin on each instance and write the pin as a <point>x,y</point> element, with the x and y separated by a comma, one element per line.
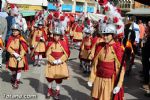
<point>12,6</point>
<point>119,26</point>
<point>119,10</point>
<point>50,17</point>
<point>105,19</point>
<point>62,18</point>
<point>102,2</point>
<point>115,19</point>
<point>88,22</point>
<point>106,8</point>
<point>56,14</point>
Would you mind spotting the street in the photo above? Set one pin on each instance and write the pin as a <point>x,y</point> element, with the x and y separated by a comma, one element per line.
<point>34,84</point>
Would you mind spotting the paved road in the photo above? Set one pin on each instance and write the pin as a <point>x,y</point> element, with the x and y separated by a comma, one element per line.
<point>34,85</point>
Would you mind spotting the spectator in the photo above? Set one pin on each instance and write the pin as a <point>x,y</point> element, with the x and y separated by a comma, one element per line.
<point>146,59</point>
<point>142,31</point>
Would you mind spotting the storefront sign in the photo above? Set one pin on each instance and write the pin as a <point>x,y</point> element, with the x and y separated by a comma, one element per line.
<point>28,7</point>
<point>51,6</point>
<point>79,8</point>
<point>90,9</point>
<point>66,7</point>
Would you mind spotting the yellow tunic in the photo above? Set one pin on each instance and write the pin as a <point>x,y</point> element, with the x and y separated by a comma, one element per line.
<point>103,87</point>
<point>12,60</point>
<point>77,35</point>
<point>40,46</point>
<point>91,56</point>
<point>84,53</point>
<point>56,71</point>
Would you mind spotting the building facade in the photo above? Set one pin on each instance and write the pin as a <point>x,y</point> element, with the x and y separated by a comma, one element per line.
<point>75,6</point>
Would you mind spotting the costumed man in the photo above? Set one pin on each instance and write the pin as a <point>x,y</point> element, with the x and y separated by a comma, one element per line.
<point>35,28</point>
<point>17,47</point>
<point>38,44</point>
<point>74,23</point>
<point>78,34</point>
<point>85,50</point>
<point>106,68</point>
<point>56,70</point>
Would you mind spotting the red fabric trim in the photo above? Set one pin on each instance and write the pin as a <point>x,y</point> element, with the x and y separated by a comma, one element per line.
<point>94,40</point>
<point>66,48</point>
<point>57,55</point>
<point>120,94</point>
<point>26,67</point>
<point>105,69</point>
<point>76,40</point>
<point>44,34</point>
<point>79,28</point>
<point>86,39</point>
<point>37,38</point>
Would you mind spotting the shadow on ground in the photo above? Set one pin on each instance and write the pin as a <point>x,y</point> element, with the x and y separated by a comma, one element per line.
<point>35,83</point>
<point>133,83</point>
<point>5,75</point>
<point>76,95</point>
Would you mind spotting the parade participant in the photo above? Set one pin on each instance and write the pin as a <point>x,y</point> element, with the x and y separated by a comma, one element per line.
<point>78,33</point>
<point>35,28</point>
<point>17,47</point>
<point>38,44</point>
<point>56,70</point>
<point>106,67</point>
<point>74,23</point>
<point>85,50</point>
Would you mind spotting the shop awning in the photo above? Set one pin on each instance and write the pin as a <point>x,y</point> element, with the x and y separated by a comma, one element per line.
<point>139,12</point>
<point>27,13</point>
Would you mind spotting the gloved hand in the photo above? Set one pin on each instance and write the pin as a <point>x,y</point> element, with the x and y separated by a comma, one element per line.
<point>16,55</point>
<point>42,39</point>
<point>55,62</point>
<point>19,59</point>
<point>32,47</point>
<point>59,61</point>
<point>116,90</point>
<point>90,84</point>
